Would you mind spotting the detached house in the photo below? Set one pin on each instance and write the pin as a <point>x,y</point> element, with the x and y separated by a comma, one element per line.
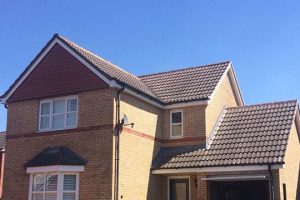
<point>80,127</point>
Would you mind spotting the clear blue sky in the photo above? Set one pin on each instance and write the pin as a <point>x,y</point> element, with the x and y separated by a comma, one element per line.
<point>261,38</point>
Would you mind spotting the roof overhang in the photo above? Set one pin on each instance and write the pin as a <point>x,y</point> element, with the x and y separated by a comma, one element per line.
<point>233,83</point>
<point>297,121</point>
<point>111,81</point>
<point>55,168</point>
<point>217,169</point>
<point>39,58</point>
<point>236,177</point>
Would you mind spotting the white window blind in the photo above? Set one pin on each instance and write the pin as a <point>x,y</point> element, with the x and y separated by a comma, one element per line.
<point>54,186</point>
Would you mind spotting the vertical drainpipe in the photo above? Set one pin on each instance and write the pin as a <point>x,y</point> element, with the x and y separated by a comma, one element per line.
<point>117,144</point>
<point>272,193</point>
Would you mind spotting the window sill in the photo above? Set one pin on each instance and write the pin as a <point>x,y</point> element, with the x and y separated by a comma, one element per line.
<point>176,137</point>
<point>54,130</point>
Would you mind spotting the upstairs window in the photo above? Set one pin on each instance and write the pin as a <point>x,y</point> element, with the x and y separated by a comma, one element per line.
<point>58,114</point>
<point>176,124</point>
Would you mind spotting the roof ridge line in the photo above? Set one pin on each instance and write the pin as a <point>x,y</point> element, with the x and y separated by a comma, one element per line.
<point>263,104</point>
<point>186,68</point>
<point>108,62</point>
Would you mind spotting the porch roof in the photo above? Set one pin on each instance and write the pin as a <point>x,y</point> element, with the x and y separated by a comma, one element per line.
<point>55,156</point>
<point>246,135</point>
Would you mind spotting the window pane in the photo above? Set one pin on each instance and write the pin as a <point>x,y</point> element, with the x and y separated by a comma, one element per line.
<point>38,182</point>
<point>50,196</point>
<point>72,105</point>
<point>45,108</point>
<point>69,182</point>
<point>58,121</point>
<point>71,119</point>
<point>177,130</point>
<point>51,184</point>
<point>45,122</point>
<point>69,196</point>
<point>58,106</point>
<point>37,197</point>
<point>176,117</point>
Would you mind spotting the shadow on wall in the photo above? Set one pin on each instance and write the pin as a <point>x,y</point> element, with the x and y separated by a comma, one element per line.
<point>147,120</point>
<point>298,186</point>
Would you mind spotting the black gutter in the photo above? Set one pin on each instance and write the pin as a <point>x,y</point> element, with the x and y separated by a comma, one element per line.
<point>271,183</point>
<point>117,145</point>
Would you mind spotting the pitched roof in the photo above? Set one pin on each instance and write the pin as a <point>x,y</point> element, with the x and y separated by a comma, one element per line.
<point>195,83</point>
<point>2,140</point>
<point>110,70</point>
<point>55,156</point>
<point>246,135</point>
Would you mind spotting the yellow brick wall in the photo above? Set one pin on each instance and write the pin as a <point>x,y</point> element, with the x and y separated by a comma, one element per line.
<point>290,174</point>
<point>137,152</point>
<point>200,120</point>
<point>193,121</point>
<point>223,97</point>
<point>93,145</point>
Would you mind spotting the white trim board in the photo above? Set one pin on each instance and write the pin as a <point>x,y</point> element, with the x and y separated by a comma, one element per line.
<point>235,178</point>
<point>216,169</point>
<point>111,83</point>
<point>55,168</point>
<point>39,59</point>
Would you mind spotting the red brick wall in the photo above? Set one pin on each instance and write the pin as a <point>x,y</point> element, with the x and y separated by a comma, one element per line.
<point>59,73</point>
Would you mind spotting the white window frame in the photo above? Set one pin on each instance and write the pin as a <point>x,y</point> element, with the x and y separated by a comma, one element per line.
<point>60,182</point>
<point>171,124</point>
<point>51,113</point>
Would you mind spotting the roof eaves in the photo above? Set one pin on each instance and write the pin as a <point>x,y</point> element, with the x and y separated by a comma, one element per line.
<point>224,165</point>
<point>237,85</point>
<point>28,67</point>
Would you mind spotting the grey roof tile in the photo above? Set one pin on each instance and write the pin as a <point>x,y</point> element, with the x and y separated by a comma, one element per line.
<point>186,84</point>
<point>189,84</point>
<point>234,144</point>
<point>55,156</point>
<point>109,69</point>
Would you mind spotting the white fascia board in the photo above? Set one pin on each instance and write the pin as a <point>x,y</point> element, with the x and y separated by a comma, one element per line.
<point>186,104</point>
<point>31,68</point>
<point>236,87</point>
<point>297,121</point>
<point>236,177</point>
<point>73,53</point>
<point>135,94</point>
<point>55,168</point>
<point>46,51</point>
<point>172,106</point>
<point>216,169</point>
<point>234,84</point>
<point>224,75</point>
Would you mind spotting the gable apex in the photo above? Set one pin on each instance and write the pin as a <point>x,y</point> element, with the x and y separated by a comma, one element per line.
<point>55,40</point>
